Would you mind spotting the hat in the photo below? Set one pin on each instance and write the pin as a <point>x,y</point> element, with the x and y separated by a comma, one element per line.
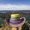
<point>16,16</point>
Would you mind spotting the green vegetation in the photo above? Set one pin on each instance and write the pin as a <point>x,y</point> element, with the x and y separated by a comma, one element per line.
<point>1,21</point>
<point>28,18</point>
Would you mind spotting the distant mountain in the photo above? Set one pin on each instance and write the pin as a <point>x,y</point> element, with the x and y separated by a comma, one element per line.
<point>10,11</point>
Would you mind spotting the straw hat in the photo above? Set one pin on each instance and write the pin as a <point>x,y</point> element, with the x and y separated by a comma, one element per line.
<point>16,16</point>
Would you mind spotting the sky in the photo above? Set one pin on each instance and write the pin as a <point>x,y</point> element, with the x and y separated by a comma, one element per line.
<point>14,4</point>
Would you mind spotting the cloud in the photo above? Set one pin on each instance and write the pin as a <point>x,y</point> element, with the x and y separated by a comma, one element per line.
<point>14,7</point>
